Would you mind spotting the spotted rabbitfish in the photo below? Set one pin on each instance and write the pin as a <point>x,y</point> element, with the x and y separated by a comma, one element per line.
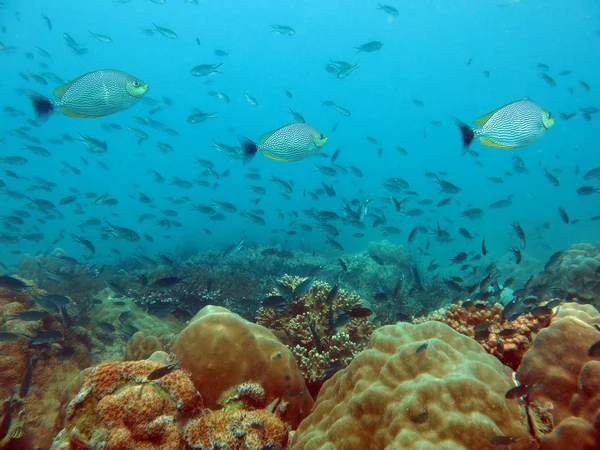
<point>514,125</point>
<point>289,143</point>
<point>95,94</point>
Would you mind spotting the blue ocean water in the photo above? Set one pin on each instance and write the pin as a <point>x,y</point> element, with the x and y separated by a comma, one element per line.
<point>433,51</point>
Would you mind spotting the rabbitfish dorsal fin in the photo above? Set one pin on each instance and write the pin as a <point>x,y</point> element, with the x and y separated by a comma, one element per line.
<point>481,121</point>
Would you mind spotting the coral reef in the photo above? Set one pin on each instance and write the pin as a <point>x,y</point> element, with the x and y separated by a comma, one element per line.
<point>577,270</point>
<point>508,340</point>
<point>117,407</point>
<point>111,310</point>
<point>237,430</point>
<point>141,346</point>
<point>114,406</point>
<point>565,380</point>
<point>221,349</point>
<point>53,364</point>
<point>416,387</point>
<point>334,346</point>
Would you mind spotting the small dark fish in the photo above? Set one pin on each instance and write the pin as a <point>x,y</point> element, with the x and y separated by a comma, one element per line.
<point>501,440</point>
<point>7,336</point>
<point>168,282</point>
<point>343,264</point>
<point>12,284</point>
<point>563,215</point>
<point>26,383</point>
<point>66,319</point>
<point>539,311</point>
<point>26,316</point>
<point>518,391</point>
<point>422,348</point>
<point>519,231</point>
<point>333,368</point>
<point>116,288</point>
<point>483,325</point>
<point>517,254</point>
<point>588,190</point>
<point>461,257</point>
<point>421,417</point>
<point>106,326</point>
<point>274,301</point>
<point>329,302</point>
<point>359,312</point>
<point>507,332</point>
<point>162,371</point>
<point>303,287</point>
<point>6,420</point>
<point>65,354</point>
<point>315,336</point>
<point>552,178</point>
<point>594,350</point>
<point>45,337</point>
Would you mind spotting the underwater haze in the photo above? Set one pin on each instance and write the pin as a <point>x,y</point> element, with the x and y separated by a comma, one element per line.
<point>373,224</point>
<point>439,60</point>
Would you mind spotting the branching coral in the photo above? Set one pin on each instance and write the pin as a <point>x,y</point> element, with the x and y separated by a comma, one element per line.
<point>416,387</point>
<point>341,345</point>
<point>506,340</point>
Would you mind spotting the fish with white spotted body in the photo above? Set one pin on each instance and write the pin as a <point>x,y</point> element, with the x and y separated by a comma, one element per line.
<point>95,94</point>
<point>514,125</point>
<point>289,143</point>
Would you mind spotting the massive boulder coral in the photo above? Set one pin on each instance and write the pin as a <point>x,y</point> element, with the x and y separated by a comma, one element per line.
<point>577,270</point>
<point>335,347</point>
<point>416,387</point>
<point>508,340</point>
<point>565,380</point>
<point>221,349</point>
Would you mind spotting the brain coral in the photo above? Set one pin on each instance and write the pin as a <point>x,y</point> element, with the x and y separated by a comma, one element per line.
<point>402,394</point>
<point>566,379</point>
<point>221,349</point>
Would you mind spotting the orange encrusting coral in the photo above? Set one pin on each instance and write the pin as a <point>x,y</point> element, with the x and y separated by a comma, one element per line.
<point>241,429</point>
<point>512,347</point>
<point>118,407</point>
